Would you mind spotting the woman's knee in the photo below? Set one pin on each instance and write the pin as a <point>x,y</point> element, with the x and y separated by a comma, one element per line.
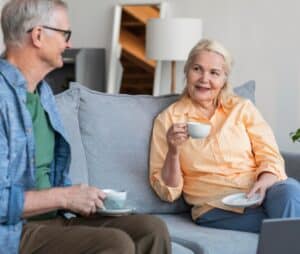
<point>283,199</point>
<point>285,191</point>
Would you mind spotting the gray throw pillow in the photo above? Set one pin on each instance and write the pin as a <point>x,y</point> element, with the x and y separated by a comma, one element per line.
<point>247,90</point>
<point>68,105</point>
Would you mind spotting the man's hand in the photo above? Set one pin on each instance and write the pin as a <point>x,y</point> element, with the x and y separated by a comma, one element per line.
<point>83,199</point>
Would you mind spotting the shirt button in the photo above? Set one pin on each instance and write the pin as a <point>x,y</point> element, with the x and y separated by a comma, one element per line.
<point>28,130</point>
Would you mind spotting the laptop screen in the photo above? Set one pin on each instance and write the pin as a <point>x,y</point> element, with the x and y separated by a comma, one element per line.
<point>279,236</point>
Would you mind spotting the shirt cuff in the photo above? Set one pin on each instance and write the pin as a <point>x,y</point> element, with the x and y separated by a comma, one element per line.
<point>279,173</point>
<point>164,191</point>
<point>15,205</point>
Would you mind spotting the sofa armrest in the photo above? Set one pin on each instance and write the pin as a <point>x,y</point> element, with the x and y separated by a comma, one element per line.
<point>292,164</point>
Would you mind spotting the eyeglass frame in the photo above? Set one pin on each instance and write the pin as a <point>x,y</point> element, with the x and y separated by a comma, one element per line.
<point>66,33</point>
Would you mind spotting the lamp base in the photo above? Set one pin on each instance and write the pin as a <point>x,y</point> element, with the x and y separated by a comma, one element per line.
<point>173,76</point>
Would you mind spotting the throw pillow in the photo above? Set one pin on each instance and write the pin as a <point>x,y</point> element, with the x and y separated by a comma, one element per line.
<point>246,90</point>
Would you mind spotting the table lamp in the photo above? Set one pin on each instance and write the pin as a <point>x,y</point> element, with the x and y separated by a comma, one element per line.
<point>171,39</point>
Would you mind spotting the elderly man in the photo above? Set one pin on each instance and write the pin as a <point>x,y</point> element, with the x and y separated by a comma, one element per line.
<point>35,154</point>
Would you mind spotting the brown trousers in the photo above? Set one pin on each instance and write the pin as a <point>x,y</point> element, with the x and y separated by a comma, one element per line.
<point>141,234</point>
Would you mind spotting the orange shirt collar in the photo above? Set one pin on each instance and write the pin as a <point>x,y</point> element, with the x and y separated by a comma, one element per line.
<point>185,106</point>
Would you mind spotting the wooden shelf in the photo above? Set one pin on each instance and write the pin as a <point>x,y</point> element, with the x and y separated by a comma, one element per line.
<point>138,74</point>
<point>135,79</point>
<point>141,13</point>
<point>134,48</point>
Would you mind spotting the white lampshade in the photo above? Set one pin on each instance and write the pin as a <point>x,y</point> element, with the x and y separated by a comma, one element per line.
<point>171,39</point>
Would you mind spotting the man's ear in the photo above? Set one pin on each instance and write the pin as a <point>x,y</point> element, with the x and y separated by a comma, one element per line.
<point>36,37</point>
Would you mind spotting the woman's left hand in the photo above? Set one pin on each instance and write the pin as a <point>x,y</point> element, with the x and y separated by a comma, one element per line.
<point>264,181</point>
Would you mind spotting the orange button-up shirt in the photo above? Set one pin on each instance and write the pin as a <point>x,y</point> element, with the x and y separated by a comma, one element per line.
<point>240,146</point>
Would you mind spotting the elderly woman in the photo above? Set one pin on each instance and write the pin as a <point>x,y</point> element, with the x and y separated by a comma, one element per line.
<point>239,155</point>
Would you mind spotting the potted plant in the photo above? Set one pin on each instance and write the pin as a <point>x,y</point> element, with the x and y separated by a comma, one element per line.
<point>295,136</point>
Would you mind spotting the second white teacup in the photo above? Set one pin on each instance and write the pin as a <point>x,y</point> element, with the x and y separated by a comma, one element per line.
<point>198,130</point>
<point>114,199</point>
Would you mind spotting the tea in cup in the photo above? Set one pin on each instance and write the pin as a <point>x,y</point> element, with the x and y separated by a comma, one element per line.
<point>198,130</point>
<point>114,199</point>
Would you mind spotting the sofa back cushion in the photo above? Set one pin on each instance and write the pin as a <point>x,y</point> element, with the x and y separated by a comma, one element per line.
<point>246,90</point>
<point>116,131</point>
<point>68,106</point>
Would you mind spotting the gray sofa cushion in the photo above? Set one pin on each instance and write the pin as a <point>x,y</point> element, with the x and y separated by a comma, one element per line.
<point>208,240</point>
<point>292,162</point>
<point>116,131</point>
<point>180,249</point>
<point>68,105</point>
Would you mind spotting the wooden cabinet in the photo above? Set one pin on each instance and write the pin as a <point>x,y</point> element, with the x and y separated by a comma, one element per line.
<point>138,71</point>
<point>83,65</point>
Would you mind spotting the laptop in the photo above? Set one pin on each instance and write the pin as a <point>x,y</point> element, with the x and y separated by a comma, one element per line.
<point>279,236</point>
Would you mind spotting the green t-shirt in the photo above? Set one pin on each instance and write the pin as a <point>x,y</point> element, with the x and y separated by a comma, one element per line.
<point>44,145</point>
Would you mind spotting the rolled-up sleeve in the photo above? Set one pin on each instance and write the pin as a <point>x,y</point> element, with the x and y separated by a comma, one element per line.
<point>158,152</point>
<point>12,204</point>
<point>264,146</point>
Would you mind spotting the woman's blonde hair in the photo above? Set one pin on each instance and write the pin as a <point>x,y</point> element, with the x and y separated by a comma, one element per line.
<point>216,47</point>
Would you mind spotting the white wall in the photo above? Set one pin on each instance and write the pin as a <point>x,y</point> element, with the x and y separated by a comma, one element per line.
<point>262,35</point>
<point>263,38</point>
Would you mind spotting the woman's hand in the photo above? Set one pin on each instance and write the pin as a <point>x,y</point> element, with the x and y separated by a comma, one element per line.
<point>264,181</point>
<point>171,172</point>
<point>177,135</point>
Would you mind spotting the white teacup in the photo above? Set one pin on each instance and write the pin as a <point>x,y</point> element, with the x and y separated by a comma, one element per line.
<point>198,130</point>
<point>114,199</point>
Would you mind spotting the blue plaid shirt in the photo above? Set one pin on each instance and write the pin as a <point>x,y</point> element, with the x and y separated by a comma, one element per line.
<point>17,152</point>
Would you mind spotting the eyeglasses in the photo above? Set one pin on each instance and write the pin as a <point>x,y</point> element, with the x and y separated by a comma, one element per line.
<point>66,33</point>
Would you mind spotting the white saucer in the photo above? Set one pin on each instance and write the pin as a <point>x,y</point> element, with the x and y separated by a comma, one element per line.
<point>240,200</point>
<point>116,212</point>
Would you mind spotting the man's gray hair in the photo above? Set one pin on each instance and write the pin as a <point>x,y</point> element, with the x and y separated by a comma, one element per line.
<point>18,16</point>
